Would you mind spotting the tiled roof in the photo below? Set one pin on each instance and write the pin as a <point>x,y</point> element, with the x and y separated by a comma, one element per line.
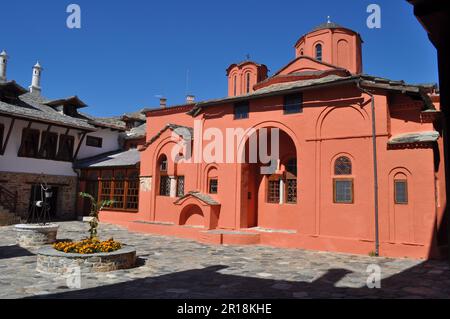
<point>135,116</point>
<point>72,100</point>
<point>109,122</point>
<point>112,159</point>
<point>179,129</point>
<point>136,132</point>
<point>417,137</point>
<point>287,87</point>
<point>201,196</point>
<point>328,25</point>
<point>32,107</point>
<point>272,90</point>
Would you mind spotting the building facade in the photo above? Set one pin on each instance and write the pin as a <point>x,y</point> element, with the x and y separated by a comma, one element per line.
<point>359,159</point>
<point>41,140</point>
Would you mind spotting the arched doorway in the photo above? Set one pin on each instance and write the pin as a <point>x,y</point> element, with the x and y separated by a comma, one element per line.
<point>269,196</point>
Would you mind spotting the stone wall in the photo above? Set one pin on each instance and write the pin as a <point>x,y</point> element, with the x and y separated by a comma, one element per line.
<point>22,183</point>
<point>52,261</point>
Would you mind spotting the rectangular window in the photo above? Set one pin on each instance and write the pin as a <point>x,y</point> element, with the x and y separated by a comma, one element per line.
<point>119,193</point>
<point>180,186</point>
<point>273,194</point>
<point>123,190</point>
<point>291,191</point>
<point>241,111</point>
<point>105,190</point>
<point>343,191</point>
<point>293,103</point>
<point>132,198</point>
<point>213,185</point>
<point>65,149</point>
<point>164,186</point>
<point>401,191</point>
<point>30,143</point>
<point>48,145</point>
<point>94,141</point>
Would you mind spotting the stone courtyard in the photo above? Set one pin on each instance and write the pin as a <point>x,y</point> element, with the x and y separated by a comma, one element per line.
<point>177,268</point>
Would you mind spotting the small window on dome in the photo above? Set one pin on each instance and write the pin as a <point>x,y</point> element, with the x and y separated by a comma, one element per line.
<point>319,52</point>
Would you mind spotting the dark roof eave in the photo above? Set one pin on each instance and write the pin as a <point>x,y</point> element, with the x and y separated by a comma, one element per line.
<point>74,99</point>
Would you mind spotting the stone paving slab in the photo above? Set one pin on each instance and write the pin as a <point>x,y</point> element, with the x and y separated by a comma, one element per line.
<point>178,268</point>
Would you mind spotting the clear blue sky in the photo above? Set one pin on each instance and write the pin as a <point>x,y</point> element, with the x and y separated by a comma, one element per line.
<point>128,52</point>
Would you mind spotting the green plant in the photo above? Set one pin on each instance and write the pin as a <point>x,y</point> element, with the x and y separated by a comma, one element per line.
<point>372,254</point>
<point>95,208</point>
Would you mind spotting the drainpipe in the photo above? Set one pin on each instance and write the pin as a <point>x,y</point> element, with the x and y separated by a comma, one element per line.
<point>375,168</point>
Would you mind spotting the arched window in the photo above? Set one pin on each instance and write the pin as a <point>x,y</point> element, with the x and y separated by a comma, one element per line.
<point>291,181</point>
<point>235,85</point>
<point>343,166</point>
<point>163,163</point>
<point>213,181</point>
<point>343,181</point>
<point>319,52</point>
<point>248,82</point>
<point>302,52</point>
<point>401,189</point>
<point>164,180</point>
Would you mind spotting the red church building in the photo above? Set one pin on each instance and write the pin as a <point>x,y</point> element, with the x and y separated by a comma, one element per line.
<point>358,168</point>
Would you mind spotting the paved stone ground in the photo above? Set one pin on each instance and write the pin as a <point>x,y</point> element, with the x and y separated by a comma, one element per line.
<point>176,268</point>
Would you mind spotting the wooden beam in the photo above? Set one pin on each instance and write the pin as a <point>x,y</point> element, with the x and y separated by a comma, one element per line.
<point>41,149</point>
<point>79,145</point>
<point>3,147</point>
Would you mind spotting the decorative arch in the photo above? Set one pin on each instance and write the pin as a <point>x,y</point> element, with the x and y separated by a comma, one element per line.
<point>266,124</point>
<point>326,113</point>
<point>342,154</point>
<point>192,215</point>
<point>158,151</point>
<point>343,54</point>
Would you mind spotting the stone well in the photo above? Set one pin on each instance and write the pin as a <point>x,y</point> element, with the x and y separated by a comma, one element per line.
<point>50,260</point>
<point>32,235</point>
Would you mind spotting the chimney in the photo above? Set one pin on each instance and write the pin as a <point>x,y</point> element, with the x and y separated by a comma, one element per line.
<point>163,102</point>
<point>35,87</point>
<point>190,99</point>
<point>3,63</point>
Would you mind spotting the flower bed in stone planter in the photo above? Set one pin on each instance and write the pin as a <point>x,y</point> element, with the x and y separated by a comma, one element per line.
<point>52,261</point>
<point>89,255</point>
<point>32,235</point>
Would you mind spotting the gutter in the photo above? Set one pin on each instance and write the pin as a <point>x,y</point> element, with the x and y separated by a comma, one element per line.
<point>375,168</point>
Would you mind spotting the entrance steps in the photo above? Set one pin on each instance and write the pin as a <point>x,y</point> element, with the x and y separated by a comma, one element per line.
<point>165,229</point>
<point>216,236</point>
<point>229,237</point>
